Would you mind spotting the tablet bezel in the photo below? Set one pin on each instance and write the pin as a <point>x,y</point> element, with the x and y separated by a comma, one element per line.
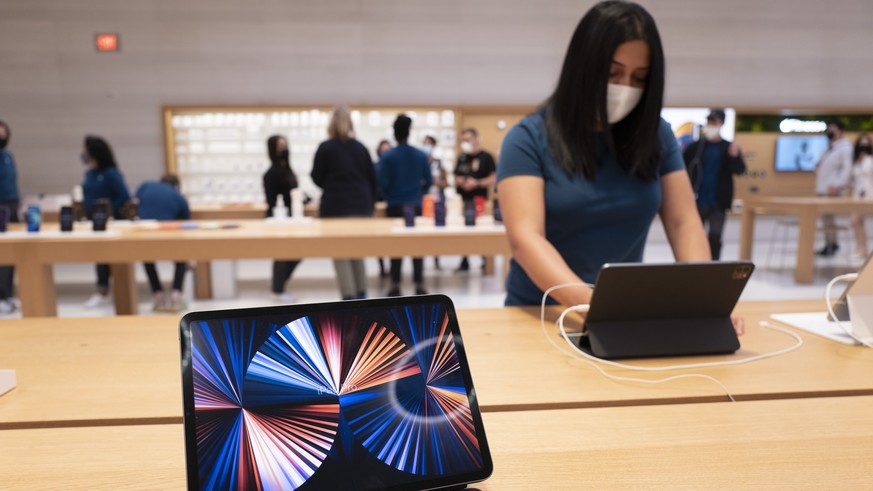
<point>296,311</point>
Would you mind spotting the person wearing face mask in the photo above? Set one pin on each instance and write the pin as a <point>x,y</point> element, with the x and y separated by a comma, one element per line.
<point>440,179</point>
<point>833,173</point>
<point>103,181</point>
<point>344,170</point>
<point>712,161</point>
<point>279,180</point>
<point>581,179</point>
<point>383,147</point>
<point>440,182</point>
<point>9,203</point>
<point>475,173</point>
<point>862,188</point>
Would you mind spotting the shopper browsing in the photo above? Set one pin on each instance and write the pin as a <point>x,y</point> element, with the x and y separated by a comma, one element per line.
<point>474,174</point>
<point>343,169</point>
<point>712,162</point>
<point>440,178</point>
<point>862,187</point>
<point>279,180</point>
<point>404,175</point>
<point>384,146</point>
<point>833,173</point>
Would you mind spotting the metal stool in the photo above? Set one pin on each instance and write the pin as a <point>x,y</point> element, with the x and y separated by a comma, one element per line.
<point>782,234</point>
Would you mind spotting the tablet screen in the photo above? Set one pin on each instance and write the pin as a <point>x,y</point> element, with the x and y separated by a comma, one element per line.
<point>352,395</point>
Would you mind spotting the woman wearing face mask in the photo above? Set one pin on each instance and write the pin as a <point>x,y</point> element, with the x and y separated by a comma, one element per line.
<point>862,187</point>
<point>581,180</point>
<point>279,180</point>
<point>712,162</point>
<point>103,181</point>
<point>440,178</point>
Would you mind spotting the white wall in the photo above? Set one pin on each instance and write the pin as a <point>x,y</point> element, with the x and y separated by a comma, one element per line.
<point>54,88</point>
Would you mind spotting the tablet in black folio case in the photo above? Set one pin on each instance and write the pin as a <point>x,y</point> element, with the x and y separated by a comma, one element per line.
<point>648,310</point>
<point>362,395</point>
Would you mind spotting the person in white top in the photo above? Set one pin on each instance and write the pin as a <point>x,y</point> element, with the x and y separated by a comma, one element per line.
<point>862,187</point>
<point>833,175</point>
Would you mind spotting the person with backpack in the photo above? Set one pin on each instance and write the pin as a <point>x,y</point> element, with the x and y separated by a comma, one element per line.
<point>712,162</point>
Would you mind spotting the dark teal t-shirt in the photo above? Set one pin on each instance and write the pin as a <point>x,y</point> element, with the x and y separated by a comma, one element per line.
<point>589,222</point>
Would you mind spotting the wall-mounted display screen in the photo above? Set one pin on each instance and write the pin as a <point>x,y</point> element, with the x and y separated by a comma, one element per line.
<point>799,153</point>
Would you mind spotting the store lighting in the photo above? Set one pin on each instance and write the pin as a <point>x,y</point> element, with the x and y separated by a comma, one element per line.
<point>791,125</point>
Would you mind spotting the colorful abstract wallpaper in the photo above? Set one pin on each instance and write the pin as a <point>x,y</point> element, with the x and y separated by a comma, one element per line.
<point>363,399</point>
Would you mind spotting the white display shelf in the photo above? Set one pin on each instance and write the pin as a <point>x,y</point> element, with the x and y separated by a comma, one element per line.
<point>220,153</point>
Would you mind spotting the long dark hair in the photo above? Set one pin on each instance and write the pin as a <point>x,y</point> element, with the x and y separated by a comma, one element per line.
<point>277,160</point>
<point>856,154</point>
<point>576,111</point>
<point>100,151</point>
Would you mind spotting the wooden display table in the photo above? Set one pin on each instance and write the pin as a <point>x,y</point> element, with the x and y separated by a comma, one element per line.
<point>808,210</point>
<point>791,444</point>
<point>254,212</point>
<point>125,370</point>
<point>34,256</point>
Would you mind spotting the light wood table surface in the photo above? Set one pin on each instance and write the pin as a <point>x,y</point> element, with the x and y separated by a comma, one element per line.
<point>255,212</point>
<point>253,239</point>
<point>789,444</point>
<point>808,210</point>
<point>125,370</point>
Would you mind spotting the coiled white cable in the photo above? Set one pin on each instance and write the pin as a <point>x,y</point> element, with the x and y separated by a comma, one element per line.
<point>842,277</point>
<point>579,354</point>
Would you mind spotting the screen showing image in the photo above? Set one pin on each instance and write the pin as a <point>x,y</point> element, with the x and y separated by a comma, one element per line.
<point>362,398</point>
<point>799,153</point>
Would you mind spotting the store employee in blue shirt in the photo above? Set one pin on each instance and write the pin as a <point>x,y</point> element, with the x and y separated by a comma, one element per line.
<point>712,163</point>
<point>581,180</point>
<point>161,200</point>
<point>103,181</point>
<point>9,201</point>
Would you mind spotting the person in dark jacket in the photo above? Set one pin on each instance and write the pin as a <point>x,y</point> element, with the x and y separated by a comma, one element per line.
<point>344,170</point>
<point>161,200</point>
<point>9,202</point>
<point>103,181</point>
<point>404,175</point>
<point>279,180</point>
<point>712,162</point>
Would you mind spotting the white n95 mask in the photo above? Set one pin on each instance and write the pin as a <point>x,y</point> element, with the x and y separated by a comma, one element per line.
<point>620,101</point>
<point>711,132</point>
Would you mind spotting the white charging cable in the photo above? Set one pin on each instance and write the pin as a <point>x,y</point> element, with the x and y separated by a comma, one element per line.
<point>579,354</point>
<point>842,277</point>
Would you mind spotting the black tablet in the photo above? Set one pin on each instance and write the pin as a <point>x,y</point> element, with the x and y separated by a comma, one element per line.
<point>676,309</point>
<point>360,395</point>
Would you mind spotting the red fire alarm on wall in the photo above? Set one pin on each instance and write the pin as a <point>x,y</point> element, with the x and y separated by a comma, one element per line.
<point>107,43</point>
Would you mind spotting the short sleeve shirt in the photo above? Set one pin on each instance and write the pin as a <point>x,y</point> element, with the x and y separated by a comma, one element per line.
<point>478,166</point>
<point>589,221</point>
